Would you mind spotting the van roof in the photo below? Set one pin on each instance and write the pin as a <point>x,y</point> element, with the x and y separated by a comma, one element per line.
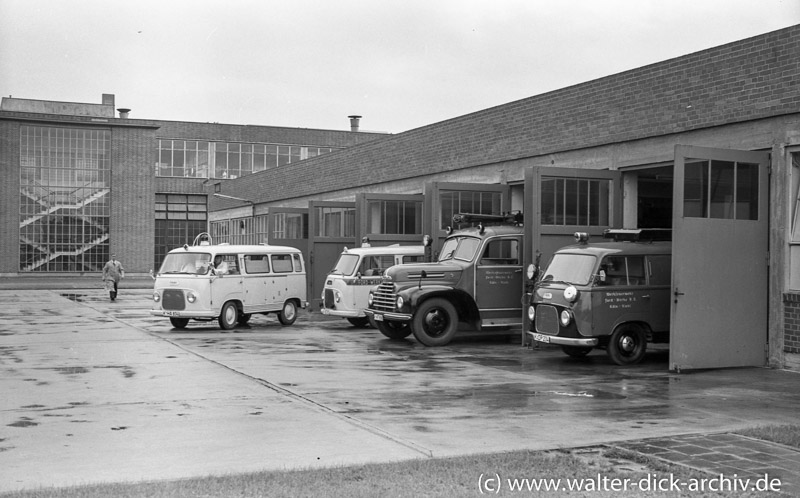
<point>235,248</point>
<point>393,249</point>
<point>604,248</point>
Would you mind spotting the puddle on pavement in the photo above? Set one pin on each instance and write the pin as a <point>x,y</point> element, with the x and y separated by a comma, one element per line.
<point>78,298</point>
<point>23,422</point>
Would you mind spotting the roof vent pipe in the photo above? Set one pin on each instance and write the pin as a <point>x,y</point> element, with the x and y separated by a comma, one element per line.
<point>354,122</point>
<point>123,113</point>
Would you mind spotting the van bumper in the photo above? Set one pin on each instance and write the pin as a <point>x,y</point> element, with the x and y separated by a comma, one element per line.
<point>184,314</point>
<point>563,341</point>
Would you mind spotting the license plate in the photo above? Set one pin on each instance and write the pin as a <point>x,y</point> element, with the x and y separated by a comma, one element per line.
<point>377,317</point>
<point>172,313</point>
<point>541,338</point>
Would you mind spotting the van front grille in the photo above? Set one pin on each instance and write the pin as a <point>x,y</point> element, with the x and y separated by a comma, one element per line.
<point>173,300</point>
<point>547,319</point>
<point>328,299</point>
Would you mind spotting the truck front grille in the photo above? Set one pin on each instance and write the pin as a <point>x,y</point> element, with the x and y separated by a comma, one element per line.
<point>547,319</point>
<point>173,300</point>
<point>383,298</point>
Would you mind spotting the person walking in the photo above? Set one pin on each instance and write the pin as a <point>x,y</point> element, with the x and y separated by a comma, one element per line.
<point>113,272</point>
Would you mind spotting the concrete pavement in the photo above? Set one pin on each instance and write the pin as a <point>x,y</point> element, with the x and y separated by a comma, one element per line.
<point>98,391</point>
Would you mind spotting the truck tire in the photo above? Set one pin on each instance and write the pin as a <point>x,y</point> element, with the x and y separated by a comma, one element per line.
<point>435,322</point>
<point>394,330</point>
<point>627,345</point>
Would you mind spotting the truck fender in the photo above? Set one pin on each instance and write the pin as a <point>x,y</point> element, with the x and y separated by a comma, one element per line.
<point>463,302</point>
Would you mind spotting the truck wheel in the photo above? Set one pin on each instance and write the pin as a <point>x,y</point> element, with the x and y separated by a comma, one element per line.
<point>627,345</point>
<point>435,322</point>
<point>576,351</point>
<point>394,330</point>
<point>288,314</point>
<point>179,323</point>
<point>228,316</point>
<point>359,321</point>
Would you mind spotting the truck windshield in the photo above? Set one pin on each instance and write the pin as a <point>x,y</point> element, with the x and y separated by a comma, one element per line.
<point>346,264</point>
<point>570,268</point>
<point>193,263</point>
<point>462,248</point>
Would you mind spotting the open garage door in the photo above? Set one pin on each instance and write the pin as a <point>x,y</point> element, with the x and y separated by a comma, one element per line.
<point>562,201</point>
<point>720,257</point>
<point>331,228</point>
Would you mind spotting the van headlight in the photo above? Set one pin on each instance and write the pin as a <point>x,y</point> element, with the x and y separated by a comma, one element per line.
<point>156,297</point>
<point>191,296</point>
<point>531,313</point>
<point>531,271</point>
<point>400,302</point>
<point>566,317</point>
<point>571,293</point>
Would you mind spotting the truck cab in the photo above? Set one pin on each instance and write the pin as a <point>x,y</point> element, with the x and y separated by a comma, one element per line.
<point>356,271</point>
<point>476,284</point>
<point>609,295</point>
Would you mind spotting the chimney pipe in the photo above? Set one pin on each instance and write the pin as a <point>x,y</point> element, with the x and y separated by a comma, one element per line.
<point>123,113</point>
<point>354,122</point>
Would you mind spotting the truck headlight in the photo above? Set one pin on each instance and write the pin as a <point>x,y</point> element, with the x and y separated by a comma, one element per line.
<point>156,297</point>
<point>531,271</point>
<point>399,303</point>
<point>191,296</point>
<point>370,298</point>
<point>566,317</point>
<point>531,313</point>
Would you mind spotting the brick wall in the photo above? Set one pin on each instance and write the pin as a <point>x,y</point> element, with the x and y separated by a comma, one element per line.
<point>791,320</point>
<point>9,197</point>
<point>745,80</point>
<point>133,197</point>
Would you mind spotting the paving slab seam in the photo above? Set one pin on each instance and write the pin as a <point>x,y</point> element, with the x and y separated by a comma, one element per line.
<point>427,452</point>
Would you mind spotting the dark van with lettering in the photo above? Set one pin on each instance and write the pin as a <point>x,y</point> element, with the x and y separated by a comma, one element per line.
<point>611,295</point>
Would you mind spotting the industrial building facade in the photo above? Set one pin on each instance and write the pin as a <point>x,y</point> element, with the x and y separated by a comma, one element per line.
<point>707,144</point>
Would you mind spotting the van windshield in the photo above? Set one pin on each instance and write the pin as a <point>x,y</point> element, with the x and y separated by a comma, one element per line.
<point>462,248</point>
<point>346,264</point>
<point>192,263</point>
<point>570,268</point>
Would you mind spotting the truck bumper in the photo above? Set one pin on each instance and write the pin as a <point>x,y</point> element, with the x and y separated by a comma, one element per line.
<point>563,341</point>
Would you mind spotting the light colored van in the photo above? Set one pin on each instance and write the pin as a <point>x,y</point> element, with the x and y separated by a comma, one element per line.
<point>357,270</point>
<point>229,283</point>
<point>610,295</point>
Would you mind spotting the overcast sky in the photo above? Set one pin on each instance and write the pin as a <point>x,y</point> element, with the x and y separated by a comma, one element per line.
<point>311,63</point>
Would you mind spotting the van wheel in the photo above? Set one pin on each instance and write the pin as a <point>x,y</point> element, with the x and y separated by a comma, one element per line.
<point>435,322</point>
<point>394,330</point>
<point>627,345</point>
<point>244,318</point>
<point>576,351</point>
<point>288,314</point>
<point>179,323</point>
<point>359,321</point>
<point>228,316</point>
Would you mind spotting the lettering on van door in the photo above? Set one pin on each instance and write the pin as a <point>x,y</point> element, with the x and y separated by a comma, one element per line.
<point>620,300</point>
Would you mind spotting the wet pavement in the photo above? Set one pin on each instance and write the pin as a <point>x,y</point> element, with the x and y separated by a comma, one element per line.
<point>99,391</point>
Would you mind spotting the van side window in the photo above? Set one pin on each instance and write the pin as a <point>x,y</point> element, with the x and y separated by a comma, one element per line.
<point>298,265</point>
<point>412,259</point>
<point>282,263</point>
<point>624,270</point>
<point>501,252</point>
<point>660,269</point>
<point>226,264</point>
<point>256,263</point>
